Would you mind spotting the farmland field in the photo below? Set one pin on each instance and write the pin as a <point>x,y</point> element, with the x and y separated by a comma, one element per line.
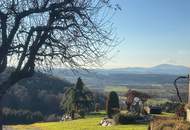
<point>119,89</point>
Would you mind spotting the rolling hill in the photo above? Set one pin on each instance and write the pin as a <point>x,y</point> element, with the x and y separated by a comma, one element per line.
<point>37,93</point>
<point>159,69</point>
<point>161,74</point>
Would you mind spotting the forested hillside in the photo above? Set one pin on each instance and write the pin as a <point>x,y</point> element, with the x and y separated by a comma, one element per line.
<point>40,94</point>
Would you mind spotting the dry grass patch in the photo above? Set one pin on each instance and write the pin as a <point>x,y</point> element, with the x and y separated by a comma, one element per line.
<point>169,123</point>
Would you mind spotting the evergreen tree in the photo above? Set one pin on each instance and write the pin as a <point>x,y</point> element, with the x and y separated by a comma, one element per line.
<point>112,105</point>
<point>79,84</point>
<point>78,99</point>
<point>68,101</point>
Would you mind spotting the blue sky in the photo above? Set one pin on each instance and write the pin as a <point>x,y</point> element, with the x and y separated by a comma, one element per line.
<point>155,32</point>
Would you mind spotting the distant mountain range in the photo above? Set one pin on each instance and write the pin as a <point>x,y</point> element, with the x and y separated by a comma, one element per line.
<point>159,69</point>
<point>161,74</point>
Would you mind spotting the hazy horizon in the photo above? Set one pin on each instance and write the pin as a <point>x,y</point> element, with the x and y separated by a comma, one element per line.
<point>142,66</point>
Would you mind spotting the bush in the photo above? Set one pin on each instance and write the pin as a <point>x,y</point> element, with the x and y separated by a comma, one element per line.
<point>170,107</point>
<point>11,116</point>
<point>168,123</point>
<point>100,99</point>
<point>97,107</point>
<point>112,105</point>
<point>82,113</point>
<point>52,118</point>
<point>126,118</point>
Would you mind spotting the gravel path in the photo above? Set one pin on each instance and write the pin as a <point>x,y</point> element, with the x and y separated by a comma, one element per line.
<point>7,128</point>
<point>11,128</point>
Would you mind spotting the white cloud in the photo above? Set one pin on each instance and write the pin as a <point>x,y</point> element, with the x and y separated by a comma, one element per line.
<point>169,61</point>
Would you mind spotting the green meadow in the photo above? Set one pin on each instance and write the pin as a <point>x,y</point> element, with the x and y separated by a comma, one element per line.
<point>88,123</point>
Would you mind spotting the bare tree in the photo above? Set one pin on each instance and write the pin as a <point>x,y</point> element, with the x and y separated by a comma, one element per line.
<point>176,86</point>
<point>46,33</point>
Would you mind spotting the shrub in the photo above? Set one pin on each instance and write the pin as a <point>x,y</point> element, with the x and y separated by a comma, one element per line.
<point>168,123</point>
<point>12,116</point>
<point>112,105</point>
<point>52,118</point>
<point>97,107</point>
<point>170,107</point>
<point>126,118</point>
<point>100,99</point>
<point>116,118</point>
<point>82,113</point>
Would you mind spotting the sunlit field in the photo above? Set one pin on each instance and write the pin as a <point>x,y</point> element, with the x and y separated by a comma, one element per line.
<point>89,123</point>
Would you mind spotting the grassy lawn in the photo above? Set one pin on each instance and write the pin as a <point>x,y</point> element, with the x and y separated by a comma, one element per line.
<point>89,123</point>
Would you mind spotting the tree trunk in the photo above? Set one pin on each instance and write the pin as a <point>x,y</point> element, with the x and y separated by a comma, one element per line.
<point>1,115</point>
